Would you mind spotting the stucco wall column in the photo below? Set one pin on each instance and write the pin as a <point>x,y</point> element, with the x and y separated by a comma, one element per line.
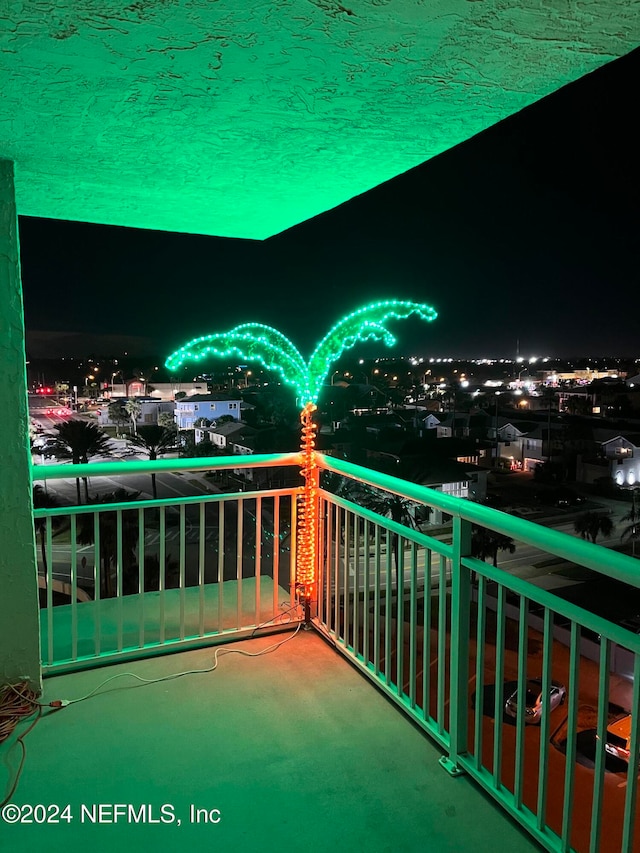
<point>19,612</point>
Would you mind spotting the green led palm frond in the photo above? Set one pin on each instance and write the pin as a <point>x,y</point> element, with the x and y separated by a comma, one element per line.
<point>366,324</point>
<point>276,338</point>
<point>251,342</point>
<point>274,351</point>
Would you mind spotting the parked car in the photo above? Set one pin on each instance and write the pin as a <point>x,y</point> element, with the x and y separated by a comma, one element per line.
<point>44,445</point>
<point>618,742</point>
<point>534,704</point>
<point>560,497</point>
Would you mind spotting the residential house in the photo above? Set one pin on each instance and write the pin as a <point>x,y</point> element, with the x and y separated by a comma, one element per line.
<point>474,424</point>
<point>225,436</point>
<point>429,467</point>
<point>426,421</point>
<point>209,406</point>
<point>138,387</point>
<point>618,458</point>
<point>149,411</point>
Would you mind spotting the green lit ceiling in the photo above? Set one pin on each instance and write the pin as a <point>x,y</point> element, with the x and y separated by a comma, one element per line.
<point>241,119</point>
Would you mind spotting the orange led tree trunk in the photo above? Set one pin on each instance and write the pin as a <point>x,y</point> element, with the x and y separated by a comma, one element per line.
<point>307,512</point>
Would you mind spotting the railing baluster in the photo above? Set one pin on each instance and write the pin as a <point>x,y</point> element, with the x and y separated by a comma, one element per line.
<point>366,556</point>
<point>426,637</point>
<point>545,723</point>
<point>480,658</point>
<point>221,544</point>
<point>523,626</point>
<point>346,610</point>
<point>141,576</point>
<point>276,550</point>
<point>400,615</point>
<point>601,739</point>
<point>413,624</point>
<point>162,559</point>
<point>119,575</point>
<point>97,586</point>
<point>572,731</point>
<point>336,574</point>
<point>293,596</point>
<point>73,567</point>
<point>442,642</point>
<point>323,560</point>
<point>239,558</point>
<point>258,556</point>
<point>387,610</point>
<point>376,603</point>
<point>183,548</point>
<point>357,648</point>
<point>499,691</point>
<point>202,538</point>
<point>49,581</point>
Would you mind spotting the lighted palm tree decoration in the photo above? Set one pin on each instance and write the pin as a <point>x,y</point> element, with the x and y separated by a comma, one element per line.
<point>269,347</point>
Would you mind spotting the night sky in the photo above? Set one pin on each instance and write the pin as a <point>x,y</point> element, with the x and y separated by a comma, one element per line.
<point>529,231</point>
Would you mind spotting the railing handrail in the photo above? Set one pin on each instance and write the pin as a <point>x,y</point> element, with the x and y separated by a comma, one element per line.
<point>159,466</point>
<point>155,503</point>
<point>619,566</point>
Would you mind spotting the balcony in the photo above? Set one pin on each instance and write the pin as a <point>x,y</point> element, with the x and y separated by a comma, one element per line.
<point>296,745</point>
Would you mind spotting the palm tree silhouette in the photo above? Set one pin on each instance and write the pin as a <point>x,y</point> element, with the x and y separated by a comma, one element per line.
<point>632,531</point>
<point>592,524</point>
<point>78,441</point>
<point>272,349</point>
<point>154,440</point>
<point>133,408</point>
<point>42,499</point>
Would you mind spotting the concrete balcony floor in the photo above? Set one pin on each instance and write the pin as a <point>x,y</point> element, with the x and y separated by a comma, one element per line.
<point>295,748</point>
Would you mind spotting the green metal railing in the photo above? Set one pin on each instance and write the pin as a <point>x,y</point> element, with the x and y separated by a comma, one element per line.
<point>160,574</point>
<point>447,636</point>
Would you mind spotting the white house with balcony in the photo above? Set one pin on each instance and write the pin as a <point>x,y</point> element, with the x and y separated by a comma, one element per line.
<point>623,459</point>
<point>210,406</point>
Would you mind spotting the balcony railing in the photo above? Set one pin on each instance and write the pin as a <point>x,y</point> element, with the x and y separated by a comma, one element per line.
<point>164,573</point>
<point>446,636</point>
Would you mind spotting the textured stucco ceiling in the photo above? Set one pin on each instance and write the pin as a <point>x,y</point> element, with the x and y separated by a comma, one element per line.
<point>244,118</point>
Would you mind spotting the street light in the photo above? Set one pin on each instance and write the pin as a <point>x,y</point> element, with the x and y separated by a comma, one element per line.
<point>495,462</point>
<point>113,376</point>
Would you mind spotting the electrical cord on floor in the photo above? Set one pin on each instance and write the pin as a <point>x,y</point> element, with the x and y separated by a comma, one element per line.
<point>218,652</point>
<point>275,618</point>
<point>18,704</point>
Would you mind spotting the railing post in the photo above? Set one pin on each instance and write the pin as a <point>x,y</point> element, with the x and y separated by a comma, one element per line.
<point>459,651</point>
